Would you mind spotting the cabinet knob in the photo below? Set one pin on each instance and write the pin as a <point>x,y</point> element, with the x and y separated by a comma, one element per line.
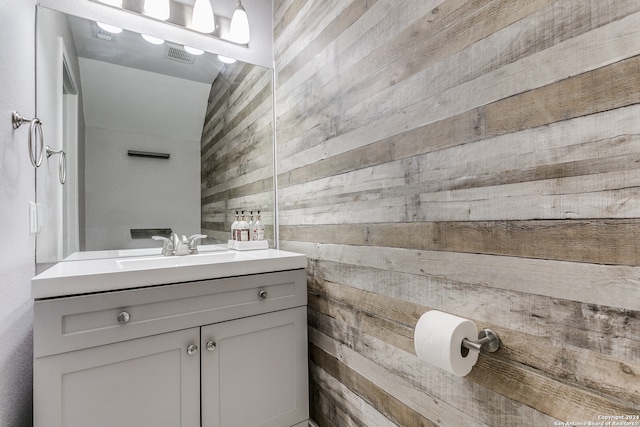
<point>211,345</point>
<point>263,295</point>
<point>123,317</point>
<point>192,349</point>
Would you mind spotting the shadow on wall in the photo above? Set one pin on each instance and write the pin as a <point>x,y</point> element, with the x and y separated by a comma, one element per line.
<point>16,368</point>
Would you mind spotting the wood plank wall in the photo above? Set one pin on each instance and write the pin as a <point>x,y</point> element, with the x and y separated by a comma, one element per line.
<point>237,150</point>
<point>478,157</point>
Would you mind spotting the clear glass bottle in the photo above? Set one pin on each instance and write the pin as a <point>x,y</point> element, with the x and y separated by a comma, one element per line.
<point>251,221</point>
<point>242,232</point>
<point>258,229</point>
<point>234,227</point>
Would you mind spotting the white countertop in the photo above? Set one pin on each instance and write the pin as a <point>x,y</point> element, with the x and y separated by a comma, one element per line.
<point>86,274</point>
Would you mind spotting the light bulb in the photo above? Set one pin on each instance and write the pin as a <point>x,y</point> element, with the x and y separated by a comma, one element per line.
<point>193,50</point>
<point>239,30</point>
<point>202,19</point>
<point>151,39</point>
<point>109,28</point>
<point>226,59</point>
<point>159,9</point>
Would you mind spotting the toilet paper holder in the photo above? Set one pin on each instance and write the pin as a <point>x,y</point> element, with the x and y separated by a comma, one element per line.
<point>488,340</point>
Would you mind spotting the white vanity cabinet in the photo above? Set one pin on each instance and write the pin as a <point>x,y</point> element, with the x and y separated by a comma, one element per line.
<point>226,352</point>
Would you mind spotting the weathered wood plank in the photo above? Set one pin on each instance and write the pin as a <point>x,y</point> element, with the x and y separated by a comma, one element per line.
<point>333,372</point>
<point>351,14</point>
<point>591,241</point>
<point>606,131</point>
<point>580,367</point>
<point>464,158</point>
<point>606,195</point>
<point>566,403</point>
<point>447,29</point>
<point>614,286</point>
<point>237,150</point>
<point>610,331</point>
<point>528,73</point>
<point>435,396</point>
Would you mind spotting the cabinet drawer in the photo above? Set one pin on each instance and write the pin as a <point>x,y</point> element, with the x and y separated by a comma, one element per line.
<point>73,323</point>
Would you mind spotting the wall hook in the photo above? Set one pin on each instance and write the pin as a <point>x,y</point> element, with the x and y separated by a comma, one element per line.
<point>35,125</point>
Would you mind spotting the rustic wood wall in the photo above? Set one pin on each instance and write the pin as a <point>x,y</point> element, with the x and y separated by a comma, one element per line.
<point>479,157</point>
<point>237,150</point>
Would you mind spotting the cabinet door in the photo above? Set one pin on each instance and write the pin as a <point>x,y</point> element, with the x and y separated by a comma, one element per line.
<point>256,375</point>
<point>150,381</point>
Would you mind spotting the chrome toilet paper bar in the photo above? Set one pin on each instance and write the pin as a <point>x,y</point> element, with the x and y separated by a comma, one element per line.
<point>488,340</point>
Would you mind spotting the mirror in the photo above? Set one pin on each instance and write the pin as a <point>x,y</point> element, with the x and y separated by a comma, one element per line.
<point>156,139</point>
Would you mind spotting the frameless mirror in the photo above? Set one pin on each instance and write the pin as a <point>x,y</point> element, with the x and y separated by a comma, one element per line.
<point>156,139</point>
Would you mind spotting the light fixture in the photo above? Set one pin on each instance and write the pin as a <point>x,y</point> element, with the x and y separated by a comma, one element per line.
<point>226,59</point>
<point>159,9</point>
<point>202,19</point>
<point>151,39</point>
<point>109,28</point>
<point>193,50</point>
<point>239,30</point>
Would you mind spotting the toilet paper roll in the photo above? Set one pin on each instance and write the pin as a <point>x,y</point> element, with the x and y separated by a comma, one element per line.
<point>438,339</point>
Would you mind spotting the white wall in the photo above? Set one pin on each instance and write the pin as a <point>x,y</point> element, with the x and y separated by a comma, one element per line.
<point>128,109</point>
<point>16,190</point>
<point>124,192</point>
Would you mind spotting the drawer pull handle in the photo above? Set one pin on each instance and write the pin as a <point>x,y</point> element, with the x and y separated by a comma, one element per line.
<point>211,345</point>
<point>123,318</point>
<point>263,295</point>
<point>192,349</point>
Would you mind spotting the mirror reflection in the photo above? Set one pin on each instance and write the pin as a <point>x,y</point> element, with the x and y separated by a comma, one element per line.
<point>157,139</point>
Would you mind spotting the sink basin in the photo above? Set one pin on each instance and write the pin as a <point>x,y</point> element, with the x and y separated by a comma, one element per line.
<point>179,261</point>
<point>127,253</point>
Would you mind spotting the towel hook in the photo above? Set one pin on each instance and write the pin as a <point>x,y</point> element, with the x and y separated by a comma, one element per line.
<point>35,124</point>
<point>62,163</point>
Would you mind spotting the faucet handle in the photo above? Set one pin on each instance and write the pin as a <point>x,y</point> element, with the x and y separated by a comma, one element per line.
<point>193,242</point>
<point>168,247</point>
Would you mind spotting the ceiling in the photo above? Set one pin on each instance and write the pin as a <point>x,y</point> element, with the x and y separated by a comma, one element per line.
<point>131,50</point>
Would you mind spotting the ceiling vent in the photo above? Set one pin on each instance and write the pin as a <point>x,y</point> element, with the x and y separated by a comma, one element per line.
<point>101,34</point>
<point>177,53</point>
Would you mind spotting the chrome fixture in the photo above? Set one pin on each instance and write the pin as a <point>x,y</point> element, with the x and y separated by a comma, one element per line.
<point>180,246</point>
<point>62,163</point>
<point>123,317</point>
<point>35,125</point>
<point>488,340</point>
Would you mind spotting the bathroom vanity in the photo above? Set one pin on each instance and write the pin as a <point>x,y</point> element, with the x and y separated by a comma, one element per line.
<point>216,339</point>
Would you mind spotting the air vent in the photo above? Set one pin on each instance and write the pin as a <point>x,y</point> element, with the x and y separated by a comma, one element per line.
<point>101,34</point>
<point>176,53</point>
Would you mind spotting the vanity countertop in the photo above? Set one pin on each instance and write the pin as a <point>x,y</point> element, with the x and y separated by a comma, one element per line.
<point>83,276</point>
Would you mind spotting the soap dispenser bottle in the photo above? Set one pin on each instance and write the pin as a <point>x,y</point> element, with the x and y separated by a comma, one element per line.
<point>257,231</point>
<point>251,225</point>
<point>242,232</point>
<point>234,227</point>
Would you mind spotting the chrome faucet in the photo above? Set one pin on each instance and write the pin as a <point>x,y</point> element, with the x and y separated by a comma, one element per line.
<point>179,246</point>
<point>192,242</point>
